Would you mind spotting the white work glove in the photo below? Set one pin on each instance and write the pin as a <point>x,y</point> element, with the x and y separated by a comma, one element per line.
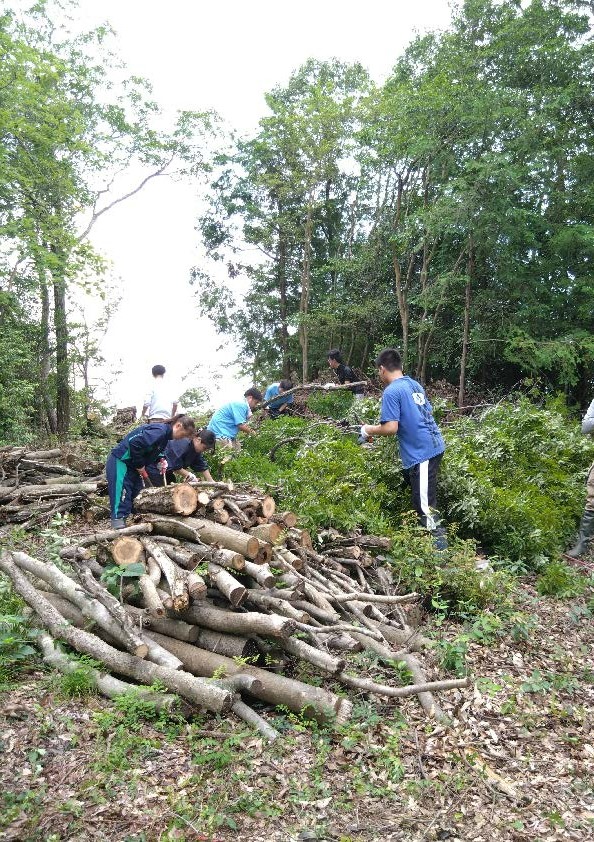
<point>328,386</point>
<point>190,477</point>
<point>162,465</point>
<point>363,437</point>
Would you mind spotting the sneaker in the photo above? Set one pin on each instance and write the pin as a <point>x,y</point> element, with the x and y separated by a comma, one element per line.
<point>118,523</point>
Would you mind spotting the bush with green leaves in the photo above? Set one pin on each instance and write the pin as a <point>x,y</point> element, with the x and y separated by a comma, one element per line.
<point>560,581</point>
<point>514,478</point>
<point>330,404</point>
<point>447,580</point>
<point>16,637</point>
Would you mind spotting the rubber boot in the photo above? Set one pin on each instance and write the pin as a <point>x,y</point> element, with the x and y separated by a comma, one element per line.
<point>585,535</point>
<point>118,523</point>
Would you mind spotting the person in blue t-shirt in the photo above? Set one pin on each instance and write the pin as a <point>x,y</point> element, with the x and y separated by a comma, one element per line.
<point>275,407</point>
<point>232,417</point>
<point>127,463</point>
<point>407,413</point>
<point>185,459</point>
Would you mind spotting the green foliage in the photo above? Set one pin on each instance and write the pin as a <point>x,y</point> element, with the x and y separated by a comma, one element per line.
<point>448,579</point>
<point>514,478</point>
<point>452,655</point>
<point>560,581</point>
<point>16,636</point>
<point>330,404</point>
<point>80,683</point>
<point>114,574</point>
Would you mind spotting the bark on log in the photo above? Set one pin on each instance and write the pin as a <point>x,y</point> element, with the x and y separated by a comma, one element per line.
<point>177,499</point>
<point>247,624</point>
<point>127,550</point>
<point>264,554</point>
<point>176,581</point>
<point>269,533</point>
<point>106,684</point>
<point>205,531</point>
<point>277,606</point>
<point>75,553</point>
<point>164,625</point>
<point>317,657</point>
<point>152,601</point>
<point>288,519</point>
<point>314,702</point>
<point>90,608</point>
<point>261,573</point>
<point>30,493</point>
<point>110,534</point>
<point>196,691</point>
<point>227,584</point>
<point>230,645</point>
<point>196,586</point>
<point>250,716</point>
<point>153,571</point>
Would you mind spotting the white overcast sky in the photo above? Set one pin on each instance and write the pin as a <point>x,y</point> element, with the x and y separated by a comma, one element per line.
<point>223,55</point>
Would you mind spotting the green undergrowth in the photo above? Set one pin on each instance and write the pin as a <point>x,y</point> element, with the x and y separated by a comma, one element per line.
<point>511,479</point>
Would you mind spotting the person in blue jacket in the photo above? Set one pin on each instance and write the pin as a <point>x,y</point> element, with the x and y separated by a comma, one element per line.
<point>185,459</point>
<point>232,417</point>
<point>126,464</point>
<point>275,407</point>
<point>407,413</point>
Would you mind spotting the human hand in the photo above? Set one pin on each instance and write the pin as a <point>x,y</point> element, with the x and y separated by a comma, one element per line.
<point>363,437</point>
<point>328,386</point>
<point>143,473</point>
<point>162,465</point>
<point>190,477</point>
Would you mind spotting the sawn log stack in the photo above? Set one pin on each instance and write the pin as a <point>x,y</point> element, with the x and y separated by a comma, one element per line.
<point>223,586</point>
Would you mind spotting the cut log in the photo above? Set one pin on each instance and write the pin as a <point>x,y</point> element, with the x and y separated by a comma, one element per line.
<point>153,571</point>
<point>177,499</point>
<point>288,519</point>
<point>175,579</point>
<point>227,584</point>
<point>299,538</point>
<point>199,692</point>
<point>164,625</point>
<point>205,531</point>
<point>313,702</point>
<point>111,534</point>
<point>220,516</point>
<point>264,554</point>
<point>230,645</point>
<point>277,606</point>
<point>127,550</point>
<point>317,657</point>
<point>267,532</point>
<point>90,608</point>
<point>250,716</point>
<point>106,684</point>
<point>262,574</point>
<point>247,624</point>
<point>152,601</point>
<point>196,586</point>
<point>75,553</point>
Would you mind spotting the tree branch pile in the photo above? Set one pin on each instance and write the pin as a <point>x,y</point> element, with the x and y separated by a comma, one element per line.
<point>207,606</point>
<point>36,485</point>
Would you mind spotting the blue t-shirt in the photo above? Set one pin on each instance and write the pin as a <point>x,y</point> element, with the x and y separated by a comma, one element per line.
<point>271,392</point>
<point>419,438</point>
<point>226,420</point>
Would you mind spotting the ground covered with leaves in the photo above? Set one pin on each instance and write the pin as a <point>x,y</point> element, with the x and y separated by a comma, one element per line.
<point>517,764</point>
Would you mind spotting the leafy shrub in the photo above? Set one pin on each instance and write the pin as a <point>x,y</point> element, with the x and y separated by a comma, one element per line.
<point>16,637</point>
<point>514,478</point>
<point>560,581</point>
<point>330,404</point>
<point>448,580</point>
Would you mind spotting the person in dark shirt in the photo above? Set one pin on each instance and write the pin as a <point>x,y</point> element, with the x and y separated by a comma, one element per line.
<point>126,467</point>
<point>185,459</point>
<point>344,372</point>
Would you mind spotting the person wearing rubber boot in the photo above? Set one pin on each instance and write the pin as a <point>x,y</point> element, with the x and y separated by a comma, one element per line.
<point>126,464</point>
<point>407,413</point>
<point>586,533</point>
<point>185,459</point>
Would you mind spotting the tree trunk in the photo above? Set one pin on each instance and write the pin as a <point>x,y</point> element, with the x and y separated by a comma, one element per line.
<point>194,529</point>
<point>251,623</point>
<point>62,359</point>
<point>305,292</point>
<point>466,330</point>
<point>45,360</point>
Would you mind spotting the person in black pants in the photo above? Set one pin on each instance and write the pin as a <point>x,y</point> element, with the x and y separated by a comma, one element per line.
<point>407,413</point>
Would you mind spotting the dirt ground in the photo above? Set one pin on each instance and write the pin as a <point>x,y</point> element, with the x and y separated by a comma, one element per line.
<point>516,765</point>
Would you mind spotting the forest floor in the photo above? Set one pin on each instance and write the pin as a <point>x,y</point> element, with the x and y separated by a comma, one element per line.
<point>517,765</point>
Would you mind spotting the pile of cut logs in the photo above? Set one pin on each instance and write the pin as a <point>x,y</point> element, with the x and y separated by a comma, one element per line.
<point>207,603</point>
<point>36,485</point>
